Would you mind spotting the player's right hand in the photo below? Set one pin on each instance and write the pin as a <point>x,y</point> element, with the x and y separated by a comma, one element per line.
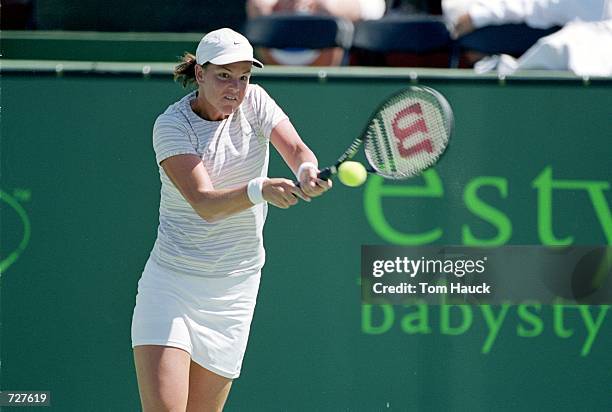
<point>282,193</point>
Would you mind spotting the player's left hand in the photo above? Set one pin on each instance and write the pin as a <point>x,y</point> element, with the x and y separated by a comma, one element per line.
<point>311,185</point>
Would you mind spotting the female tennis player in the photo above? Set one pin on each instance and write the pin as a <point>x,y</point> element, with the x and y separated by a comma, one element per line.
<point>197,292</point>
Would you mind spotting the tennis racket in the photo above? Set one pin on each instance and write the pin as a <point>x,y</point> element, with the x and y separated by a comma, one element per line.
<point>406,135</point>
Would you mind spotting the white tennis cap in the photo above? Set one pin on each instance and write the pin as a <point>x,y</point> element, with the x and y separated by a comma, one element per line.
<point>225,46</point>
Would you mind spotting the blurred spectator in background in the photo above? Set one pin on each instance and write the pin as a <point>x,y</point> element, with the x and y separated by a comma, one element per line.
<point>583,45</point>
<point>353,10</point>
<point>433,7</point>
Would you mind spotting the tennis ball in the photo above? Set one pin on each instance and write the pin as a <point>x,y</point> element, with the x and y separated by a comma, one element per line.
<point>352,174</point>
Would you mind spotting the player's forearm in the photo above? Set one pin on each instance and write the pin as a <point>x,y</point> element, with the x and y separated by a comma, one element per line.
<point>302,155</point>
<point>215,205</point>
<point>287,141</point>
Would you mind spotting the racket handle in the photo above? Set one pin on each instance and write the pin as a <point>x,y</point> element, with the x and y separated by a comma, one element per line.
<point>325,173</point>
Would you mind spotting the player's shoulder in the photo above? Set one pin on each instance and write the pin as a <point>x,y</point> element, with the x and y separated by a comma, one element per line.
<point>255,92</point>
<point>257,97</point>
<point>253,88</point>
<point>174,115</point>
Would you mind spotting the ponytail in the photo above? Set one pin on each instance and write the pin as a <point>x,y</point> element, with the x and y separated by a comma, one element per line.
<point>184,72</point>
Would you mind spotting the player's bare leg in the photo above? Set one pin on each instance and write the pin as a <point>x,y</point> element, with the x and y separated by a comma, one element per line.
<point>163,377</point>
<point>207,390</point>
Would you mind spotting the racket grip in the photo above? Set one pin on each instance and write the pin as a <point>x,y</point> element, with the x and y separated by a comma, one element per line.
<point>325,173</point>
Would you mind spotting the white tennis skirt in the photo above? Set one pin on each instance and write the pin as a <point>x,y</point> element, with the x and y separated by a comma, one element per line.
<point>210,318</point>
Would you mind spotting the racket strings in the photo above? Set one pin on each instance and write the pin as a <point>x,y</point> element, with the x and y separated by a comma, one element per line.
<point>378,144</point>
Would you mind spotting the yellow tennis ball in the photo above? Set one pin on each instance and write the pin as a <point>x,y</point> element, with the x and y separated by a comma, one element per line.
<point>352,174</point>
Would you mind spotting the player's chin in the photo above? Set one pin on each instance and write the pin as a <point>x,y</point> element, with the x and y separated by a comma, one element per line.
<point>229,107</point>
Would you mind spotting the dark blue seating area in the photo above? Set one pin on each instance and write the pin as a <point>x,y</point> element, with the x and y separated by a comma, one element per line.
<point>394,40</point>
<point>306,31</point>
<point>398,39</point>
<point>396,33</point>
<point>513,39</point>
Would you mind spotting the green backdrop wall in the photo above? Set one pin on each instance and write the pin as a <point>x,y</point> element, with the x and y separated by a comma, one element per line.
<point>80,197</point>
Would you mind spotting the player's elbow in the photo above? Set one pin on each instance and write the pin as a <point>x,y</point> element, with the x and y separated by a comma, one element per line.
<point>206,207</point>
<point>209,217</point>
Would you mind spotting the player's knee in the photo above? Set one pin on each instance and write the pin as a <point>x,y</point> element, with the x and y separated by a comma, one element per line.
<point>163,402</point>
<point>163,391</point>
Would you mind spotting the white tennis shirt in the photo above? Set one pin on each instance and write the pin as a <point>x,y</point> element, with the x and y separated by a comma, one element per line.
<point>234,151</point>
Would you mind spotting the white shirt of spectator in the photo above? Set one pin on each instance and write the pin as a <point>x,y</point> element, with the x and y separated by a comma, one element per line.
<point>535,13</point>
<point>583,46</point>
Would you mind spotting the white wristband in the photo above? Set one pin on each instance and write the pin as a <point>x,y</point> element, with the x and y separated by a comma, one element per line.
<point>255,190</point>
<point>304,166</point>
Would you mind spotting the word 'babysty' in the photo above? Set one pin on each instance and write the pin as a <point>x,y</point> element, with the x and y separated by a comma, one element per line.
<point>526,320</point>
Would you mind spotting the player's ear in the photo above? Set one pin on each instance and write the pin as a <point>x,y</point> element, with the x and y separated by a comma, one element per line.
<point>199,73</point>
